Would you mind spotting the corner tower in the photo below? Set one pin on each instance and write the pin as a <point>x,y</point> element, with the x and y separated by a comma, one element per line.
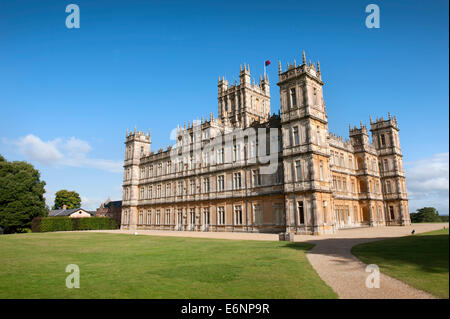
<point>137,146</point>
<point>390,160</point>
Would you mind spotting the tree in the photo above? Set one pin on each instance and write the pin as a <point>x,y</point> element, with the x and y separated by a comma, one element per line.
<point>69,198</point>
<point>21,195</point>
<point>426,215</point>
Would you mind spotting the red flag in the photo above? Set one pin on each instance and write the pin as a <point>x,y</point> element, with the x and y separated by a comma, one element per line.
<point>267,62</point>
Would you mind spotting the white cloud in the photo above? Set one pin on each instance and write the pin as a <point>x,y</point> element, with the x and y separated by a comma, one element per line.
<point>76,147</point>
<point>70,152</point>
<point>42,152</point>
<point>427,183</point>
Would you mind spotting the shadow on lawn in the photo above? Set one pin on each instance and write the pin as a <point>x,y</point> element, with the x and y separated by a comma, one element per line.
<point>430,252</point>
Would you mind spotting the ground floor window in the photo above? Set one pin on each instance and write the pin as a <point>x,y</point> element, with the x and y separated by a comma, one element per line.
<point>206,216</point>
<point>141,217</point>
<point>279,215</point>
<point>301,212</point>
<point>238,215</point>
<point>192,217</point>
<point>258,212</point>
<point>167,221</point>
<point>180,217</point>
<point>221,215</point>
<point>158,217</point>
<point>148,220</point>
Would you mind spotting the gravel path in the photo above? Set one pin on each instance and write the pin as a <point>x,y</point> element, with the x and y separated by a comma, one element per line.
<point>346,275</point>
<point>331,257</point>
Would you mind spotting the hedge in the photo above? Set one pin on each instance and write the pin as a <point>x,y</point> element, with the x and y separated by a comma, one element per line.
<point>49,224</point>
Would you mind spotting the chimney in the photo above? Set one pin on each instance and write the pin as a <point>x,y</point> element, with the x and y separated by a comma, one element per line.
<point>64,207</point>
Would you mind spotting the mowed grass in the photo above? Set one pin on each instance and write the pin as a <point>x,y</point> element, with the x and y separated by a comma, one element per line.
<point>127,266</point>
<point>419,260</point>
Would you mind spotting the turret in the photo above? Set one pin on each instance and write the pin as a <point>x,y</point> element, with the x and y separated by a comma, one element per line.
<point>137,146</point>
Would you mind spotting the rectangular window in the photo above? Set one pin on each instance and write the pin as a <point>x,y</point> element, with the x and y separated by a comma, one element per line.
<point>237,182</point>
<point>221,215</point>
<point>167,220</point>
<point>192,217</point>
<point>298,170</point>
<point>192,187</point>
<point>296,136</point>
<point>148,219</point>
<point>383,140</point>
<point>141,217</point>
<point>293,98</point>
<point>236,153</point>
<point>252,150</point>
<point>220,156</point>
<point>258,213</point>
<point>206,219</point>
<point>205,158</point>
<point>256,176</point>
<point>386,165</point>
<point>238,215</point>
<point>180,188</point>
<point>221,183</point>
<point>279,216</point>
<point>301,213</point>
<point>158,192</point>
<point>206,185</point>
<point>158,217</point>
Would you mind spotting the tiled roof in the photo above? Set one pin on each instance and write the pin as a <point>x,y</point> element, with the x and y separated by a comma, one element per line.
<point>66,212</point>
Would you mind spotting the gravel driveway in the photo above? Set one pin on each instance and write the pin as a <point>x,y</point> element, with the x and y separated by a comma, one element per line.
<point>346,275</point>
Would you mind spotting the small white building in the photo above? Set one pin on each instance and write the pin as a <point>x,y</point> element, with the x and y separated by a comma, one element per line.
<point>72,213</point>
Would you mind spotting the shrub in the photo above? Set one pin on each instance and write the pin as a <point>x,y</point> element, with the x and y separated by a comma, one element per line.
<point>49,224</point>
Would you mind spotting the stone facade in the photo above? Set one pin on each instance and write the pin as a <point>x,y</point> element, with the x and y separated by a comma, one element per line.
<point>213,179</point>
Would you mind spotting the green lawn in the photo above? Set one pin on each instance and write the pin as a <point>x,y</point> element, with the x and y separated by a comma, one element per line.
<point>127,266</point>
<point>419,260</point>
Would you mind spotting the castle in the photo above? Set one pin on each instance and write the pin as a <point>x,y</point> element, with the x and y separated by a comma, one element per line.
<point>213,179</point>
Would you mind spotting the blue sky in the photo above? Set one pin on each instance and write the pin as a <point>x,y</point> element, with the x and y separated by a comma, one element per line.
<point>69,95</point>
